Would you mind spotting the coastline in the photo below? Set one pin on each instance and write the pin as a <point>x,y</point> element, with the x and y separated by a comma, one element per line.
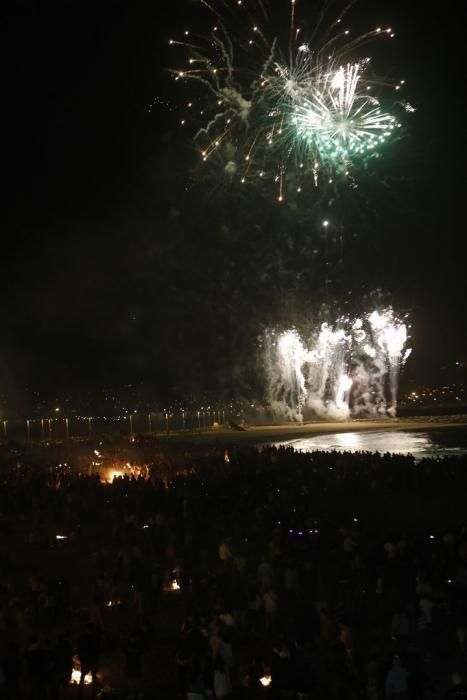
<point>290,431</point>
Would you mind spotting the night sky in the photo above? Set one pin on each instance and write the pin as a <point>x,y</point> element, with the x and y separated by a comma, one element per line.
<point>114,273</point>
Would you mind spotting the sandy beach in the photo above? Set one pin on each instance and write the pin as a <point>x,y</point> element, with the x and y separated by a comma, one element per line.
<point>290,431</point>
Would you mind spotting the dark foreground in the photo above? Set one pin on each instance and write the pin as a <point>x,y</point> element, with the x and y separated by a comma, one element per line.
<point>337,576</point>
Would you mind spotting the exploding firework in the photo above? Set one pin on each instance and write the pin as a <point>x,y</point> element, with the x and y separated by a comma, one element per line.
<point>280,107</point>
<point>347,368</point>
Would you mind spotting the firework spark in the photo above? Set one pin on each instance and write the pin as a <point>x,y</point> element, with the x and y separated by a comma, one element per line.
<point>276,107</point>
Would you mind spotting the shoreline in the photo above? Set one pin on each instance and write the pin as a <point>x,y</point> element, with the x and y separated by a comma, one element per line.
<point>252,434</point>
<point>288,431</point>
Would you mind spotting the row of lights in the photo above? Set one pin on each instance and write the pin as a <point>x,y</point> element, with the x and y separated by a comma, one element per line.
<point>200,414</point>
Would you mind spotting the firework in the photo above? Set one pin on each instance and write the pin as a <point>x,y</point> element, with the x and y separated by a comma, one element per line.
<point>350,367</point>
<point>276,107</point>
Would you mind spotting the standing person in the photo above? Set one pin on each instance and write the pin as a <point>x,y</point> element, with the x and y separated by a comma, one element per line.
<point>396,685</point>
<point>255,672</point>
<point>196,679</point>
<point>35,658</point>
<point>282,675</point>
<point>182,658</point>
<point>35,586</point>
<point>222,684</point>
<point>88,655</point>
<point>253,610</point>
<point>415,666</point>
<point>134,664</point>
<point>457,691</point>
<point>224,551</point>
<point>270,610</point>
<point>424,624</point>
<point>400,628</point>
<point>265,574</point>
<point>95,615</point>
<point>62,655</point>
<point>346,636</point>
<point>327,631</point>
<point>372,679</point>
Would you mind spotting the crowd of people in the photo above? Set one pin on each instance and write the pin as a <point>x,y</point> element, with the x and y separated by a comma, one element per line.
<point>236,572</point>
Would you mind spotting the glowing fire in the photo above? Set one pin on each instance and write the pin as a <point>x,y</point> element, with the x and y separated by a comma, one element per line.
<point>172,586</point>
<point>108,474</point>
<point>114,475</point>
<point>265,681</point>
<point>76,677</point>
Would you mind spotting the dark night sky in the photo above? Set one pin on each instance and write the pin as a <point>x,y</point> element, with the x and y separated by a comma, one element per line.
<point>104,282</point>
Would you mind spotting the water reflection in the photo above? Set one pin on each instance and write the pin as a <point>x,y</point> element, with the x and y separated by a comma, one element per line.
<point>419,444</point>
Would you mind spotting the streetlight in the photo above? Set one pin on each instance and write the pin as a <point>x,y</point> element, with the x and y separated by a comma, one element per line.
<point>89,426</point>
<point>50,428</point>
<point>4,428</point>
<point>42,429</point>
<point>131,425</point>
<point>29,429</point>
<point>67,429</point>
<point>149,423</point>
<point>183,419</point>
<point>199,422</point>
